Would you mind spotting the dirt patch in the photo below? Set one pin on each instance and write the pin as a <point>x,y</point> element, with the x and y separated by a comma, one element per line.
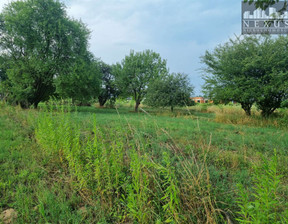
<point>8,216</point>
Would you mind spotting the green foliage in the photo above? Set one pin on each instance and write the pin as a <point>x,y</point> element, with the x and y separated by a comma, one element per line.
<point>82,85</point>
<point>171,190</point>
<point>262,205</point>
<point>169,91</point>
<point>40,44</point>
<point>138,191</point>
<point>137,71</point>
<point>264,4</point>
<point>108,91</point>
<point>4,86</point>
<point>249,70</point>
<point>284,104</point>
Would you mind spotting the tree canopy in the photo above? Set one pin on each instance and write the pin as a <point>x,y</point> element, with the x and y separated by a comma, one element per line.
<point>108,89</point>
<point>170,91</point>
<point>82,84</point>
<point>248,70</point>
<point>137,71</point>
<point>40,44</point>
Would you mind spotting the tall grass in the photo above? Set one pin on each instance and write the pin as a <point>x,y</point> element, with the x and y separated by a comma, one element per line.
<point>263,204</point>
<point>31,183</point>
<point>234,114</point>
<point>120,173</point>
<point>138,168</point>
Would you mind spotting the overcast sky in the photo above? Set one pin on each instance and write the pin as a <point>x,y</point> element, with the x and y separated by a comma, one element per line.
<point>179,30</point>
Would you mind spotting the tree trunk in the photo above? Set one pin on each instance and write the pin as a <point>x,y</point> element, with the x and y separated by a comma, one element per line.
<point>102,101</point>
<point>137,98</point>
<point>172,109</point>
<point>247,108</point>
<point>137,105</point>
<point>24,104</point>
<point>248,112</point>
<point>266,112</point>
<point>35,105</point>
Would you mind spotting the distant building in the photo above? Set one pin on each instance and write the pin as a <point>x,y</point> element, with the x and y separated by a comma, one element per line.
<point>200,99</point>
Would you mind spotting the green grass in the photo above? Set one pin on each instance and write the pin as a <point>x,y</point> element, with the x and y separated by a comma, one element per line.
<point>147,167</point>
<point>32,182</point>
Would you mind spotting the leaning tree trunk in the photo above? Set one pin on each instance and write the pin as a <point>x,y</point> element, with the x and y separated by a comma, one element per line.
<point>137,98</point>
<point>137,105</point>
<point>102,101</point>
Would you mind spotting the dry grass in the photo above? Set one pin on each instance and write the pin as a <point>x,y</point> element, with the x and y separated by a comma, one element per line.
<point>234,114</point>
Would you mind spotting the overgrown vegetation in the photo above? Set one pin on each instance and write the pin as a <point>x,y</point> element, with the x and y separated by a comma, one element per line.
<point>262,204</point>
<point>118,169</point>
<point>112,166</point>
<point>170,91</point>
<point>206,163</point>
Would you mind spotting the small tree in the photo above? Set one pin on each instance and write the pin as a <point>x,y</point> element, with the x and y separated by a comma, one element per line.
<point>137,71</point>
<point>232,66</point>
<point>169,91</point>
<point>108,89</point>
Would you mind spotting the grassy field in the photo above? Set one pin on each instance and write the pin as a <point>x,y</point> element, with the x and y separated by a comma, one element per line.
<point>203,164</point>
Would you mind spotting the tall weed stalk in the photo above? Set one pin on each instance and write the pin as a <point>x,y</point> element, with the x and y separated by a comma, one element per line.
<point>119,170</point>
<point>263,205</point>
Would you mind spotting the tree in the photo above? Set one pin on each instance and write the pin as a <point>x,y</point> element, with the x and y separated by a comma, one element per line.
<point>108,90</point>
<point>137,71</point>
<point>248,70</point>
<point>264,4</point>
<point>82,84</point>
<point>274,80</point>
<point>3,80</point>
<point>232,72</point>
<point>41,43</point>
<point>169,91</point>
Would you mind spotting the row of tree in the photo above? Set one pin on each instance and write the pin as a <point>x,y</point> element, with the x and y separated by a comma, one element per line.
<point>249,70</point>
<point>45,53</point>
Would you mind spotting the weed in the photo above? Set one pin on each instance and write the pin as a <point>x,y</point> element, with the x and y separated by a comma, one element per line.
<point>263,205</point>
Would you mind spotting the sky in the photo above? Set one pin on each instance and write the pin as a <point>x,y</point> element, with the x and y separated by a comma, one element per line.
<point>179,30</point>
